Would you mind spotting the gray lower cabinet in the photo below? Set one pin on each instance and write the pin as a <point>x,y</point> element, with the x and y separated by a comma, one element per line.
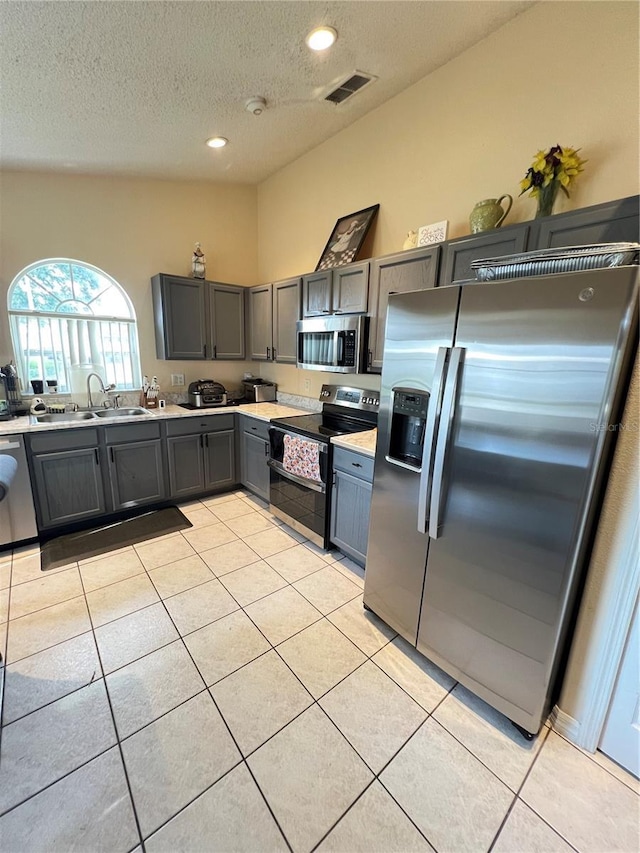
<point>136,473</point>
<point>68,486</point>
<point>201,458</point>
<point>351,503</point>
<point>186,465</point>
<point>254,437</point>
<point>219,459</point>
<point>412,270</point>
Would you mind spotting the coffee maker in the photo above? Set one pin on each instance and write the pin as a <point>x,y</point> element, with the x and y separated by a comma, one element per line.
<point>10,400</point>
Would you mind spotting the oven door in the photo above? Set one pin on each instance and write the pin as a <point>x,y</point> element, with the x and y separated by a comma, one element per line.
<point>299,502</point>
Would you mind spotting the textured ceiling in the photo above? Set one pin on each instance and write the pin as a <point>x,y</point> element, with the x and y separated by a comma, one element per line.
<point>135,88</point>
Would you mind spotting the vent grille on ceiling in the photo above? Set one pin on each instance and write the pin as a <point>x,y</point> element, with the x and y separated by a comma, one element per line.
<point>358,80</point>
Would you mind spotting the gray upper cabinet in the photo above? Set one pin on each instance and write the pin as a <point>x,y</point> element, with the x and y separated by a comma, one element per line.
<point>343,290</point>
<point>68,486</point>
<point>274,310</point>
<point>458,254</point>
<point>261,322</point>
<point>416,269</point>
<point>612,222</point>
<point>180,314</point>
<point>350,289</point>
<point>286,313</point>
<point>197,319</point>
<point>226,321</point>
<point>316,293</point>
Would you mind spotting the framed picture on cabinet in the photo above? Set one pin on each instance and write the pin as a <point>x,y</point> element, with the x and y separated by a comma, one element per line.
<point>346,239</point>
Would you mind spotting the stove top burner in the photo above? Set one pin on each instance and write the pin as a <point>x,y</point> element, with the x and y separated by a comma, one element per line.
<point>323,425</point>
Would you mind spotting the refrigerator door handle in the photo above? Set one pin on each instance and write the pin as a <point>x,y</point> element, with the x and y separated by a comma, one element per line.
<point>429,443</point>
<point>444,431</point>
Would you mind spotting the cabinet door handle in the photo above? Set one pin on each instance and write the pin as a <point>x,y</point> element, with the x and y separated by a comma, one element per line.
<point>204,351</point>
<point>254,429</point>
<point>266,449</point>
<point>202,441</point>
<point>356,465</point>
<point>268,353</point>
<point>326,311</point>
<point>111,453</point>
<point>215,351</point>
<point>95,450</point>
<point>206,440</point>
<point>369,358</point>
<point>273,354</point>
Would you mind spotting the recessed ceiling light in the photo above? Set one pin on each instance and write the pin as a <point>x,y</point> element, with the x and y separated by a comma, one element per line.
<point>321,38</point>
<point>217,142</point>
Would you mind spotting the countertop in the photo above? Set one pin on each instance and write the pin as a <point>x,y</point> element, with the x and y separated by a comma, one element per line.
<point>361,442</point>
<point>262,411</point>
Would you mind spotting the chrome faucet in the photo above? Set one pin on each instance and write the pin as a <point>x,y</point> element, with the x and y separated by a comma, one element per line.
<point>103,389</point>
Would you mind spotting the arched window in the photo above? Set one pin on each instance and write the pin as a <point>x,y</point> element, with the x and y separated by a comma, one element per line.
<point>69,319</point>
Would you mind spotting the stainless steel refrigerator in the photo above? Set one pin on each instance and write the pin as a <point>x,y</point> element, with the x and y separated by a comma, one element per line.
<point>498,405</point>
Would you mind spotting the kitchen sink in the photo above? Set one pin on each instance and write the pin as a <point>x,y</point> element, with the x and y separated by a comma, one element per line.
<point>132,411</point>
<point>59,417</point>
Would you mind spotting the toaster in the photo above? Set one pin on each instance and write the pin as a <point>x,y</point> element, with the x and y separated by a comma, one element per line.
<point>205,393</point>
<point>258,390</point>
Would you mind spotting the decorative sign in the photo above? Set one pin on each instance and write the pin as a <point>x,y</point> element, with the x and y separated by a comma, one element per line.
<point>435,233</point>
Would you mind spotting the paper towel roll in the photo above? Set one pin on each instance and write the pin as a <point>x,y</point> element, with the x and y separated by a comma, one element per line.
<point>8,468</point>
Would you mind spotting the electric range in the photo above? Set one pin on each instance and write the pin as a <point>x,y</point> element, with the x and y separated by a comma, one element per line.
<point>300,489</point>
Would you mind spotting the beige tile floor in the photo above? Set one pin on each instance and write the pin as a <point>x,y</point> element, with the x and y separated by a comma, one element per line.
<point>222,689</point>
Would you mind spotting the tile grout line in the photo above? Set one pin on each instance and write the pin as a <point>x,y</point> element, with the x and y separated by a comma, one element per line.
<point>590,756</point>
<point>115,728</point>
<point>215,704</point>
<point>3,651</point>
<point>518,798</point>
<point>55,781</point>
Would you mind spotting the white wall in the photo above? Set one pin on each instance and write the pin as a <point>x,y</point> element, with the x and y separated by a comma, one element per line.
<point>131,228</point>
<point>561,72</point>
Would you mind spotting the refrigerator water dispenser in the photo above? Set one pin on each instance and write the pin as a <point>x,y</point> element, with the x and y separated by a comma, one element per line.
<point>408,420</point>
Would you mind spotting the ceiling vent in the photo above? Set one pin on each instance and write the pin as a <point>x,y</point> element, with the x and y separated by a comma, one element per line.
<point>347,88</point>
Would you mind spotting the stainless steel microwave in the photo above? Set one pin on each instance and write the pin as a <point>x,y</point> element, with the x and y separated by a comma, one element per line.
<point>335,344</point>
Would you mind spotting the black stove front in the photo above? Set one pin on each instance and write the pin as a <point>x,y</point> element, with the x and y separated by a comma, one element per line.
<point>300,488</point>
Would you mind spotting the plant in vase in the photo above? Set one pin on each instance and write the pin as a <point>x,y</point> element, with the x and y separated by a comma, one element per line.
<point>552,170</point>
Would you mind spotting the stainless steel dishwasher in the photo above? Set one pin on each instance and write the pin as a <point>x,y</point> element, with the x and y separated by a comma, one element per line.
<point>17,513</point>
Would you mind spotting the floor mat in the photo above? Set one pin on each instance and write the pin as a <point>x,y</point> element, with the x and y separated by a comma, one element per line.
<point>118,534</point>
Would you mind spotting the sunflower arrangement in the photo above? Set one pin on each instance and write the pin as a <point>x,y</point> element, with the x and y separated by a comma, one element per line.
<point>551,170</point>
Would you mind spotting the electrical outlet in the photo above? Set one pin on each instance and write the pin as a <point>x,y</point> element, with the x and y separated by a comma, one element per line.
<point>305,386</point>
<point>177,379</point>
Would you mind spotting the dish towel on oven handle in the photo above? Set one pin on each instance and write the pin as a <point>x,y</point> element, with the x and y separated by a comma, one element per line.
<point>302,458</point>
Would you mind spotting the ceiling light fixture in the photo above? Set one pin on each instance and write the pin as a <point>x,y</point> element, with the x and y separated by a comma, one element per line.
<point>256,105</point>
<point>321,38</point>
<point>217,142</point>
